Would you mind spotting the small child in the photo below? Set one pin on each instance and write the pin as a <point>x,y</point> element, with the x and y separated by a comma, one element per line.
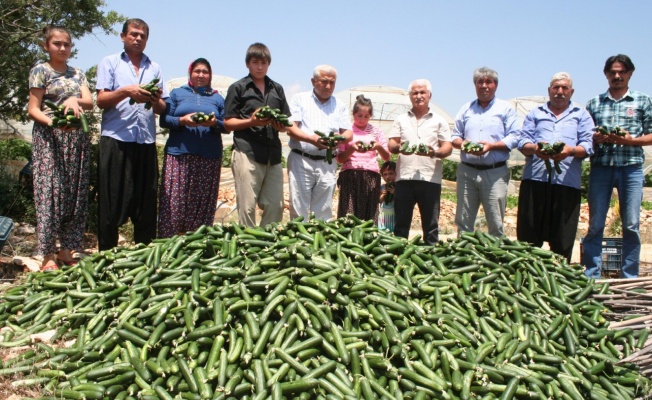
<point>386,216</point>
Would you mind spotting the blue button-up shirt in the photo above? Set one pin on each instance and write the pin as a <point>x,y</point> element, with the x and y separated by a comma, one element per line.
<point>126,122</point>
<point>573,127</point>
<point>632,112</point>
<point>493,124</point>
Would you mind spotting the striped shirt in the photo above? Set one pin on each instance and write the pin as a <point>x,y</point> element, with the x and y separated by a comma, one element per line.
<point>633,113</point>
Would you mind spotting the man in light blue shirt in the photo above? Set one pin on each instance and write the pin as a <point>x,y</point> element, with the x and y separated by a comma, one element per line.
<point>549,201</point>
<point>482,176</point>
<point>128,164</point>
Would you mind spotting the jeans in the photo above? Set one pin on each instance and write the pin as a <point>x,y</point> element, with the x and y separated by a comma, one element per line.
<point>629,183</point>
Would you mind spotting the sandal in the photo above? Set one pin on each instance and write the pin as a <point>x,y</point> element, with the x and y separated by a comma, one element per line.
<point>49,267</point>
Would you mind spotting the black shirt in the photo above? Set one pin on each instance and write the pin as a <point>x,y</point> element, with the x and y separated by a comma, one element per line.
<point>261,143</point>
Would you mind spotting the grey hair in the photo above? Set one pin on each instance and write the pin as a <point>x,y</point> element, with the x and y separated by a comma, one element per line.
<point>328,69</point>
<point>485,72</point>
<point>561,76</point>
<point>420,82</point>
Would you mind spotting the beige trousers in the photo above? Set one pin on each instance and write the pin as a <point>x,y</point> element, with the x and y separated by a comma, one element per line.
<point>257,185</point>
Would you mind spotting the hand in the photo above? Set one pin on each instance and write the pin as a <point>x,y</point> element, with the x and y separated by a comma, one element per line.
<point>257,121</point>
<point>599,138</point>
<point>155,96</point>
<point>187,120</point>
<point>279,126</point>
<point>564,154</point>
<point>389,189</point>
<point>542,155</point>
<point>210,123</point>
<point>486,147</point>
<point>319,142</point>
<point>621,140</point>
<point>137,93</point>
<point>72,103</point>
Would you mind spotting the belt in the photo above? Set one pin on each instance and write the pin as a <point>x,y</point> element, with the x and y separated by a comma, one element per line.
<point>310,156</point>
<point>483,167</point>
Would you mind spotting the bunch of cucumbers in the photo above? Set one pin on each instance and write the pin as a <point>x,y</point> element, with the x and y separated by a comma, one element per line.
<point>331,141</point>
<point>200,117</point>
<point>470,147</point>
<point>551,150</point>
<point>407,148</point>
<point>266,112</point>
<point>152,88</point>
<point>363,147</point>
<point>65,120</point>
<point>616,130</point>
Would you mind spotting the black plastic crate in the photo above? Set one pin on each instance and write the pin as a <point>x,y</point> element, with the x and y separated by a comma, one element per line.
<point>612,253</point>
<point>6,226</point>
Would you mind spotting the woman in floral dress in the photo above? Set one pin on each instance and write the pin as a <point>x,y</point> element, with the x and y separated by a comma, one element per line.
<point>60,157</point>
<point>193,154</point>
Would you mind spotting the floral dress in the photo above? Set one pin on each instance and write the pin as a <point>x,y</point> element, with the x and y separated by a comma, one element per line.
<point>60,165</point>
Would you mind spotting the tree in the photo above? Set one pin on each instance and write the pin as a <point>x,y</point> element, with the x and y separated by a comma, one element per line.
<point>21,25</point>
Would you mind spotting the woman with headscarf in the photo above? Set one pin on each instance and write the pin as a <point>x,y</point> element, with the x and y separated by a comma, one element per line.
<point>193,154</point>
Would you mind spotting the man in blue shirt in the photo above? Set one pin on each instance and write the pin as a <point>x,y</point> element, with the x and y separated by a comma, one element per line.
<point>482,176</point>
<point>617,162</point>
<point>549,200</point>
<point>128,165</point>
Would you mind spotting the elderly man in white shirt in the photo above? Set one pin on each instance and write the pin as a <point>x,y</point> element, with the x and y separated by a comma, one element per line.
<point>312,179</point>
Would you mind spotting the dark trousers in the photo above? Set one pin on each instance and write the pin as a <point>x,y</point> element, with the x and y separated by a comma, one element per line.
<point>548,213</point>
<point>128,179</point>
<point>424,194</point>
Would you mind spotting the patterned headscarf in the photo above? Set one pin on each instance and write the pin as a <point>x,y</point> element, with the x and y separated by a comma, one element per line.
<point>207,90</point>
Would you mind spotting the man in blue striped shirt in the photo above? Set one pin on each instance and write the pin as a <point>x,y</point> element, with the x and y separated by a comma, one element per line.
<point>617,162</point>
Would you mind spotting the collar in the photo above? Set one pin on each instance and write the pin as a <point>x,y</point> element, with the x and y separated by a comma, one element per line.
<point>571,108</point>
<point>627,95</point>
<point>491,103</point>
<point>250,81</point>
<point>429,113</point>
<point>314,96</point>
<point>126,58</point>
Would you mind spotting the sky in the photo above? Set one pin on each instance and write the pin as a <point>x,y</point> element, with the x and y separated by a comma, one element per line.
<point>392,43</point>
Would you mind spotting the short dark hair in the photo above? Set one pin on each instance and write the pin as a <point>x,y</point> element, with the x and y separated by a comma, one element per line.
<point>138,23</point>
<point>49,30</point>
<point>621,58</point>
<point>260,51</point>
<point>361,101</point>
<point>388,165</point>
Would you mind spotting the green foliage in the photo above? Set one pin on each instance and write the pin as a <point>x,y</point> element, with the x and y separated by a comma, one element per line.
<point>16,198</point>
<point>14,149</point>
<point>226,156</point>
<point>21,25</point>
<point>516,172</point>
<point>449,170</point>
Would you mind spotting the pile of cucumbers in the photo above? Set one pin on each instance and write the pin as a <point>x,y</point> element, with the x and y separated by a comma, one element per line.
<point>266,112</point>
<point>67,120</point>
<point>151,87</point>
<point>312,309</point>
<point>365,146</point>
